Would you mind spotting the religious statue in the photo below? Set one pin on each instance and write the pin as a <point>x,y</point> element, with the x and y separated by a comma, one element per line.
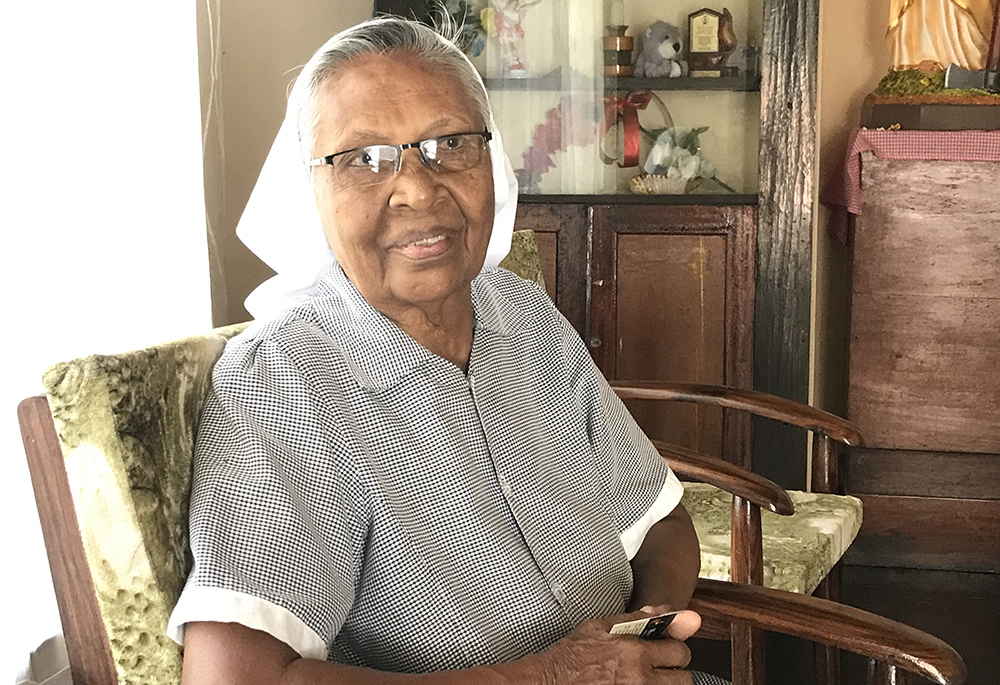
<point>931,34</point>
<point>506,19</point>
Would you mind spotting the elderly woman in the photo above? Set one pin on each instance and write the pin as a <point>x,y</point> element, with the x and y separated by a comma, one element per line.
<point>409,464</point>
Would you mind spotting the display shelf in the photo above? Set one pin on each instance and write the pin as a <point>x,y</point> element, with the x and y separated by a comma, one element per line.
<point>555,82</point>
<point>734,83</point>
<point>687,199</point>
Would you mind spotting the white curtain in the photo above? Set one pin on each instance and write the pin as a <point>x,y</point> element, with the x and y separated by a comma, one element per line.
<point>553,133</point>
<point>103,224</point>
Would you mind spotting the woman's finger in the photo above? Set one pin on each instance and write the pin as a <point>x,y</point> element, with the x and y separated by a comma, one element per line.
<point>685,624</point>
<point>667,653</point>
<point>604,624</point>
<point>665,676</point>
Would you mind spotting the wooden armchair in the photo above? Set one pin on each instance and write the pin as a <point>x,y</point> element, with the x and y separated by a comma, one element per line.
<point>109,450</point>
<point>821,529</point>
<point>111,484</point>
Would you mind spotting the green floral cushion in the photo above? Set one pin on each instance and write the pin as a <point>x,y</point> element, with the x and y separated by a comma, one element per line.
<point>126,423</point>
<point>523,258</point>
<point>799,550</point>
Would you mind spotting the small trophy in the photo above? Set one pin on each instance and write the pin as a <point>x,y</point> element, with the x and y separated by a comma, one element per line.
<point>711,40</point>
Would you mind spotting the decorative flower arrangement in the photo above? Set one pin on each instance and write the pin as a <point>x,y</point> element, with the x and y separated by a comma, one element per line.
<point>474,24</point>
<point>548,138</point>
<point>673,163</point>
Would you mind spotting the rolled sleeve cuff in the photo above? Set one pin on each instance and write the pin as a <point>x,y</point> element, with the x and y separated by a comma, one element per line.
<point>228,606</point>
<point>665,502</point>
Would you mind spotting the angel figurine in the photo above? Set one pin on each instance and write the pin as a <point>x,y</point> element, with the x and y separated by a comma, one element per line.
<point>507,17</point>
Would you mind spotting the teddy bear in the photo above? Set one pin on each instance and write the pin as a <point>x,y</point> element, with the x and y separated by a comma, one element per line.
<point>661,50</point>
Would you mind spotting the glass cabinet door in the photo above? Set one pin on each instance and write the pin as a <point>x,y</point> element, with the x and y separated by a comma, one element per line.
<point>567,126</point>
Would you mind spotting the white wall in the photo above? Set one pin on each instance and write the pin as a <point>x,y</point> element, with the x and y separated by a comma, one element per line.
<point>251,51</point>
<point>853,56</point>
<point>103,227</point>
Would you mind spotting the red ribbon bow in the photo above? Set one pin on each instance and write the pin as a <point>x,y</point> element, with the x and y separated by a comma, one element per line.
<point>628,109</point>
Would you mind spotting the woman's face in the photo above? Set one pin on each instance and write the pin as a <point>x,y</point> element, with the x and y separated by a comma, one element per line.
<point>419,237</point>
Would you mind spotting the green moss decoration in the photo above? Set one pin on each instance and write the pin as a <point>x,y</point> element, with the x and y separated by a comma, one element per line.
<point>909,82</point>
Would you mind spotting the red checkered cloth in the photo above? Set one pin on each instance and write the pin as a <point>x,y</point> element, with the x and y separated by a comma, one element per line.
<point>843,194</point>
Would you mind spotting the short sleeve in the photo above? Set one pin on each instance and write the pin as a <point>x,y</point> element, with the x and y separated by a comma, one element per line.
<point>640,486</point>
<point>277,515</point>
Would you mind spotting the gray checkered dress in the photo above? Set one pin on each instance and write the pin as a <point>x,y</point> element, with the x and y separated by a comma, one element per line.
<point>365,501</point>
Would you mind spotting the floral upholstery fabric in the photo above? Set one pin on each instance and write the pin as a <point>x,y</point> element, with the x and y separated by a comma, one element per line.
<point>126,424</point>
<point>799,550</point>
<point>523,258</point>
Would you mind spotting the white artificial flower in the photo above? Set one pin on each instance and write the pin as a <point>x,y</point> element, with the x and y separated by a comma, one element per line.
<point>667,158</point>
<point>661,152</point>
<point>687,165</point>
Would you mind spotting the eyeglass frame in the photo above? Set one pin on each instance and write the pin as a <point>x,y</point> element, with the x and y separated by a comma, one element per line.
<point>328,159</point>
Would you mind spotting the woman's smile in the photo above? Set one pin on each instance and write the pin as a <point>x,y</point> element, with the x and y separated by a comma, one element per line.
<point>424,248</point>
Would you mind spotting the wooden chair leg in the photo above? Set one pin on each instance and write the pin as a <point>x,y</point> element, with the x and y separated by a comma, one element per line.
<point>747,655</point>
<point>880,673</point>
<point>827,658</point>
<point>747,567</point>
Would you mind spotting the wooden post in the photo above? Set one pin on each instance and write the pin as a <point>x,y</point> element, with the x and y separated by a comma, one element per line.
<point>746,567</point>
<point>825,476</point>
<point>784,227</point>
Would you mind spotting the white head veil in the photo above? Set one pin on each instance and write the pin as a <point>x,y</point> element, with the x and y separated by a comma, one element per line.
<point>281,224</point>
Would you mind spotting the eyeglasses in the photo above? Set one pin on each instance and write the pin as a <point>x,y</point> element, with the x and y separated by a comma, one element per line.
<point>373,164</point>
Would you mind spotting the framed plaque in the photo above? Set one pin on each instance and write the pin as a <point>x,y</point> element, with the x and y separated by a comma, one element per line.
<point>704,31</point>
<point>710,42</point>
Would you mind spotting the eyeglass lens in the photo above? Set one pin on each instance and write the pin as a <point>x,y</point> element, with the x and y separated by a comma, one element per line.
<point>373,163</point>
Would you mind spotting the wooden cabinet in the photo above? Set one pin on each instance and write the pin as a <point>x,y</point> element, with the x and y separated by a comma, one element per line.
<point>924,370</point>
<point>925,364</point>
<point>658,292</point>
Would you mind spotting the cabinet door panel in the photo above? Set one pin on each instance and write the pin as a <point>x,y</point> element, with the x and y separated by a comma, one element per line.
<point>562,232</point>
<point>925,353</point>
<point>672,299</point>
<point>682,338</point>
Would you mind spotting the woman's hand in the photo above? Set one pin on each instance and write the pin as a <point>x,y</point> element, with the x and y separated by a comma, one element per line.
<point>590,655</point>
<point>217,653</point>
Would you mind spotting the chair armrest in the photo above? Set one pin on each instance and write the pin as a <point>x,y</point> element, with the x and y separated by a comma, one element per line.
<point>729,477</point>
<point>829,623</point>
<point>759,403</point>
